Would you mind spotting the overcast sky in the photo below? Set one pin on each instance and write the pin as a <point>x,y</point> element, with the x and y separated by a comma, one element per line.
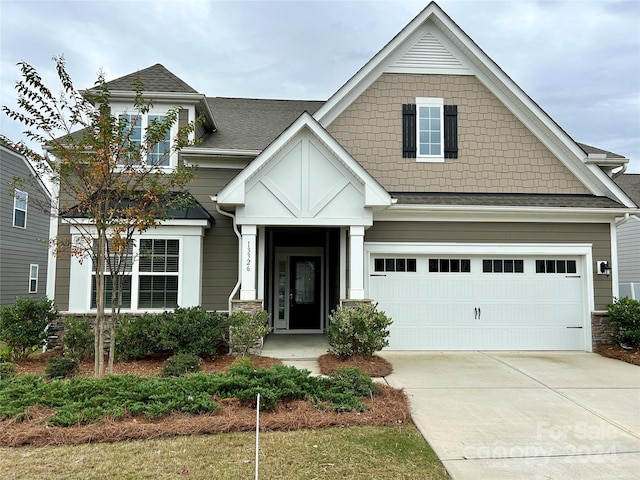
<point>578,59</point>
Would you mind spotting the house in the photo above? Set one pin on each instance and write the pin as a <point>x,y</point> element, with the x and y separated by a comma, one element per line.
<point>24,229</point>
<point>429,183</point>
<point>628,234</point>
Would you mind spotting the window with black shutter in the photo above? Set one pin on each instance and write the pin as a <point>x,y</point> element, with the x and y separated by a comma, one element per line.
<point>409,130</point>
<point>421,131</point>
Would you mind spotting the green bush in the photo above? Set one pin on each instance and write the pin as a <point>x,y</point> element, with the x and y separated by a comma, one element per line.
<point>246,330</point>
<point>61,367</point>
<point>181,364</point>
<point>22,326</point>
<point>624,315</point>
<point>361,330</point>
<point>78,338</point>
<point>186,330</point>
<point>352,380</point>
<point>8,370</point>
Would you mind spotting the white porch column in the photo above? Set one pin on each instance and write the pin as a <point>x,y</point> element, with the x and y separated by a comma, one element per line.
<point>356,262</point>
<point>248,278</point>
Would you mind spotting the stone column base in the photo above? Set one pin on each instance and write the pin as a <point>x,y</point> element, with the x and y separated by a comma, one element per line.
<point>352,303</point>
<point>602,332</point>
<point>251,306</point>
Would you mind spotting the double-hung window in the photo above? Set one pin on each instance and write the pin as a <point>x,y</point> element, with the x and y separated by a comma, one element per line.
<point>33,277</point>
<point>20,199</point>
<point>125,277</point>
<point>159,153</point>
<point>158,273</point>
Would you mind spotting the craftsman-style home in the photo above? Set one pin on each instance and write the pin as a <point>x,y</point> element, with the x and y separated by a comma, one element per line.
<point>429,183</point>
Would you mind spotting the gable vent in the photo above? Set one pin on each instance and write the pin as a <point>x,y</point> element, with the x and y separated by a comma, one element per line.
<point>427,54</point>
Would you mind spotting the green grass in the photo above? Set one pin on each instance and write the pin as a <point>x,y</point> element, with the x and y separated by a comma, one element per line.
<point>335,453</point>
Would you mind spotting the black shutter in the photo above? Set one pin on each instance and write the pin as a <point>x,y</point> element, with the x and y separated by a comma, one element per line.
<point>409,130</point>
<point>450,131</point>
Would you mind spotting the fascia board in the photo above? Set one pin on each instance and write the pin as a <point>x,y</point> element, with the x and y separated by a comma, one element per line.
<point>455,213</point>
<point>219,152</point>
<point>87,222</point>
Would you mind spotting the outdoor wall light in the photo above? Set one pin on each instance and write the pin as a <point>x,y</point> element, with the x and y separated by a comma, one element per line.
<point>604,268</point>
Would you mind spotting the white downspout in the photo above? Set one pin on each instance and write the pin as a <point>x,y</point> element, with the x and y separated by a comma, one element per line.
<point>237,232</point>
<point>622,220</point>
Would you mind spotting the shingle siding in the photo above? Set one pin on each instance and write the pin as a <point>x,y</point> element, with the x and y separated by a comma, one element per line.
<point>19,248</point>
<point>454,232</point>
<point>496,152</point>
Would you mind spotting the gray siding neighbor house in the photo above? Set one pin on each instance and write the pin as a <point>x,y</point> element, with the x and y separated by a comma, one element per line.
<point>24,230</point>
<point>629,241</point>
<point>429,183</point>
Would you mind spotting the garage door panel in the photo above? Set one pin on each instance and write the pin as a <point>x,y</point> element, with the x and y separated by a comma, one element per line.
<point>481,310</point>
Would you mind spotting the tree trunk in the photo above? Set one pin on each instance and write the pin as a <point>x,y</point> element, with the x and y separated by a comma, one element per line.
<point>99,328</point>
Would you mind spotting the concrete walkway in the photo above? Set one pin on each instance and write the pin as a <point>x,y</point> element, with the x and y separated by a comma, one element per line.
<point>529,415</point>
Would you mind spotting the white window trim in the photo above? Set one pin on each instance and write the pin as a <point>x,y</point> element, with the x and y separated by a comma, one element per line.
<point>189,276</point>
<point>17,193</point>
<point>429,102</point>
<point>33,277</point>
<point>173,132</point>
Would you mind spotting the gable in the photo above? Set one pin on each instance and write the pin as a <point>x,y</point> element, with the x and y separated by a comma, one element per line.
<point>304,178</point>
<point>432,44</point>
<point>497,153</point>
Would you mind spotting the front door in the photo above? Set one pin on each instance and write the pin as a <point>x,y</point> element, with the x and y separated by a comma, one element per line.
<point>304,293</point>
<point>299,293</point>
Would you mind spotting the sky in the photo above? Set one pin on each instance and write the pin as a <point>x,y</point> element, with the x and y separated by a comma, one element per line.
<point>577,59</point>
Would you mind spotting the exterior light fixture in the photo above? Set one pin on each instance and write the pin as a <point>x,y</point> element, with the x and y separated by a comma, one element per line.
<point>604,268</point>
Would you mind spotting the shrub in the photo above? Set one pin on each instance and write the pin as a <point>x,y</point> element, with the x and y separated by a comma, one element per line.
<point>8,370</point>
<point>61,367</point>
<point>186,330</point>
<point>22,326</point>
<point>246,330</point>
<point>353,381</point>
<point>624,315</point>
<point>78,338</point>
<point>180,364</point>
<point>361,330</point>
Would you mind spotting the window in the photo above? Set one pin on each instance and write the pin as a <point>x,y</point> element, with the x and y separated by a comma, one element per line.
<point>125,278</point>
<point>556,266</point>
<point>394,265</point>
<point>502,266</point>
<point>33,278</point>
<point>158,273</point>
<point>20,209</point>
<point>429,130</point>
<point>152,281</point>
<point>449,265</point>
<point>159,154</point>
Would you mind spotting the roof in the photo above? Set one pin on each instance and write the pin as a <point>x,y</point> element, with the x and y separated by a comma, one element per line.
<point>589,149</point>
<point>155,79</point>
<point>250,123</point>
<point>630,183</point>
<point>506,200</point>
<point>190,209</point>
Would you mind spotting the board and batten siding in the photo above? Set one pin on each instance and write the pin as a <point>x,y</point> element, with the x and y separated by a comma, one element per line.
<point>596,234</point>
<point>496,152</point>
<point>628,235</point>
<point>21,247</point>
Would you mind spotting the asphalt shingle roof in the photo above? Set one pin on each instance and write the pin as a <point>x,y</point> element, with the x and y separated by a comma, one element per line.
<point>252,124</point>
<point>155,79</point>
<point>589,149</point>
<point>630,183</point>
<point>506,200</point>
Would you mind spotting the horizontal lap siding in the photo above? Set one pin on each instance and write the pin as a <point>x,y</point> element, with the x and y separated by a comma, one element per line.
<point>447,232</point>
<point>63,272</point>
<point>629,251</point>
<point>220,245</point>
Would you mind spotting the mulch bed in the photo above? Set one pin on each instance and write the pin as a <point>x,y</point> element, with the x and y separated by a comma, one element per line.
<point>374,367</point>
<point>616,351</point>
<point>389,407</point>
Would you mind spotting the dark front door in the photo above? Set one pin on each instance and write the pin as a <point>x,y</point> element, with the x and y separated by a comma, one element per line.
<point>304,295</point>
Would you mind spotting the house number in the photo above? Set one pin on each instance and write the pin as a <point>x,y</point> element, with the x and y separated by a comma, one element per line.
<point>248,256</point>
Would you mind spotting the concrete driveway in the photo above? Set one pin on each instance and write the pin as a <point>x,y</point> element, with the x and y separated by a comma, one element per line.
<point>525,415</point>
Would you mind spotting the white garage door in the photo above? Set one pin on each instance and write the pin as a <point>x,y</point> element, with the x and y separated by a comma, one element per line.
<point>482,302</point>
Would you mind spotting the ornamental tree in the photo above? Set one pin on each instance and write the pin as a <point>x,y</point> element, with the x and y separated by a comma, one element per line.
<point>109,183</point>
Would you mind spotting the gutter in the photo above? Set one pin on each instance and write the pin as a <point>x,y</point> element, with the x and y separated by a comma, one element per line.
<point>214,198</point>
<point>622,220</point>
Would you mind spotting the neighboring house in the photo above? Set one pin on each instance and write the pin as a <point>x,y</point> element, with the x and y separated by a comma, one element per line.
<point>24,229</point>
<point>429,183</point>
<point>629,241</point>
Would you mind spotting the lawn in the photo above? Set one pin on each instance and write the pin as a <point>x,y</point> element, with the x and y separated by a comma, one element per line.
<point>331,453</point>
